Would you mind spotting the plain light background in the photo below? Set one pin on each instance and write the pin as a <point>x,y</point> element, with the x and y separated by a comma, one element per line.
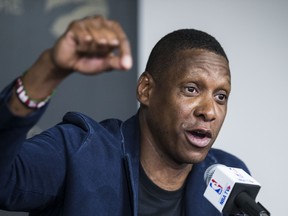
<point>254,35</point>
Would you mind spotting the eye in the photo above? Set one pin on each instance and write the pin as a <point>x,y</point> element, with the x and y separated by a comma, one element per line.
<point>221,98</point>
<point>191,91</point>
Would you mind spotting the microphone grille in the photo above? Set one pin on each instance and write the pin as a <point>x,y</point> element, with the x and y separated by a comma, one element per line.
<point>209,172</point>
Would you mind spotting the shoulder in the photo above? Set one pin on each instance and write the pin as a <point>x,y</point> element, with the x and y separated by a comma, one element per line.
<point>78,130</point>
<point>88,124</point>
<point>83,120</point>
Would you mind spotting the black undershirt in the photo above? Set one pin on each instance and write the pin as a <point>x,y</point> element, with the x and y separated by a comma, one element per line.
<point>154,201</point>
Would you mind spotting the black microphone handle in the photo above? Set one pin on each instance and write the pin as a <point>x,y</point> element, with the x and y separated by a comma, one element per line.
<point>244,202</point>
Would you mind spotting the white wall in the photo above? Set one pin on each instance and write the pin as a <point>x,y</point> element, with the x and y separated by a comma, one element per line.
<point>254,35</point>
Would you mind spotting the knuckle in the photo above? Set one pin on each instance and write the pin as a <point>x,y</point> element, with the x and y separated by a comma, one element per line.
<point>75,24</point>
<point>114,24</point>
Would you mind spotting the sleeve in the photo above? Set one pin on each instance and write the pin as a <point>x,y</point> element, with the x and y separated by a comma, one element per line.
<point>31,171</point>
<point>13,129</point>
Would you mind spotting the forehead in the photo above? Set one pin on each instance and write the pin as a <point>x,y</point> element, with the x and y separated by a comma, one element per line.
<point>199,62</point>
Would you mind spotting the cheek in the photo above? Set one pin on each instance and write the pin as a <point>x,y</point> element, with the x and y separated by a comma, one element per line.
<point>178,110</point>
<point>219,121</point>
<point>185,108</point>
<point>222,114</point>
<point>167,119</point>
<point>170,110</point>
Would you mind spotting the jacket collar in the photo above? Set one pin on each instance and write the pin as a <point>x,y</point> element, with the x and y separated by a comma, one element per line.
<point>131,150</point>
<point>195,202</point>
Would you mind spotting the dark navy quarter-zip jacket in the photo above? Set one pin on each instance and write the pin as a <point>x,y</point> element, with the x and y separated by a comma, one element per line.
<point>83,168</point>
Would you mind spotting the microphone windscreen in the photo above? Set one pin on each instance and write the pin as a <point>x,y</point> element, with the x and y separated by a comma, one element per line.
<point>209,172</point>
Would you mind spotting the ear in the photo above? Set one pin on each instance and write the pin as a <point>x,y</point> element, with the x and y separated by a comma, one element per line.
<point>145,86</point>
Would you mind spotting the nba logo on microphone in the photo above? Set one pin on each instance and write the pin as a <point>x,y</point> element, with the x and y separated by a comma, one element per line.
<point>215,186</point>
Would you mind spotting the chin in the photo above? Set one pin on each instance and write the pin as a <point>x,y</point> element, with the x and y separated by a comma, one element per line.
<point>195,158</point>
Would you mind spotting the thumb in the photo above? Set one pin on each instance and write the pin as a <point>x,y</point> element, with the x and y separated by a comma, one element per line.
<point>120,63</point>
<point>126,62</point>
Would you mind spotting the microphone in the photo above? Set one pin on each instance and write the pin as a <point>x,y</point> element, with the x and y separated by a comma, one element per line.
<point>232,191</point>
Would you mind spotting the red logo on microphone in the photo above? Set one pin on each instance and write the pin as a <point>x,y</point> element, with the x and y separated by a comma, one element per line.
<point>215,186</point>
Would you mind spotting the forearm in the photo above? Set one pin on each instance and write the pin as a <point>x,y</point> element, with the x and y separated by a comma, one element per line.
<point>16,119</point>
<point>39,81</point>
<point>13,128</point>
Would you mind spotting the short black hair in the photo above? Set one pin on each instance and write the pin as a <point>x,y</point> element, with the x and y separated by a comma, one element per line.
<point>165,51</point>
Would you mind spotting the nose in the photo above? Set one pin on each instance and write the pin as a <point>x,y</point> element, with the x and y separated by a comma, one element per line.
<point>205,109</point>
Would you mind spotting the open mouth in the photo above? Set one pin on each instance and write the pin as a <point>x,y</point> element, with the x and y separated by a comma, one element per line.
<point>201,134</point>
<point>199,138</point>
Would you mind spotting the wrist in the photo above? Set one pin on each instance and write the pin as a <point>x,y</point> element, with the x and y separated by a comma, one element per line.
<point>26,100</point>
<point>43,77</point>
<point>39,82</point>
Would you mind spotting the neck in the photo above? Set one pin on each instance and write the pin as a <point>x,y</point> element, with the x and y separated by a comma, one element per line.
<point>164,176</point>
<point>162,170</point>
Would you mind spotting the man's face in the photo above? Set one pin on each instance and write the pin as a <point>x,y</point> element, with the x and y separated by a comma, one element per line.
<point>188,105</point>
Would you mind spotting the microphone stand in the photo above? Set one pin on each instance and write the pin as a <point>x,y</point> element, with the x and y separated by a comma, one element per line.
<point>249,206</point>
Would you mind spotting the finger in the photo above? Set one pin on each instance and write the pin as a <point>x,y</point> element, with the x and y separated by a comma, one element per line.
<point>104,40</point>
<point>83,39</point>
<point>112,62</point>
<point>95,38</point>
<point>124,46</point>
<point>101,31</point>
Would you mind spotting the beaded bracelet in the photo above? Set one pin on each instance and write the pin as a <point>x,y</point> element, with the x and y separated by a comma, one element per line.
<point>26,100</point>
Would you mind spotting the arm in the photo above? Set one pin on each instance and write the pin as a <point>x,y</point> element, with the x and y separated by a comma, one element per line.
<point>89,46</point>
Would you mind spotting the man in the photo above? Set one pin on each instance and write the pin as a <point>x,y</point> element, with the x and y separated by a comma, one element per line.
<point>151,164</point>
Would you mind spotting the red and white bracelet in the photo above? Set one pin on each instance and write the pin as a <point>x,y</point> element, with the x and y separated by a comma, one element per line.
<point>26,100</point>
